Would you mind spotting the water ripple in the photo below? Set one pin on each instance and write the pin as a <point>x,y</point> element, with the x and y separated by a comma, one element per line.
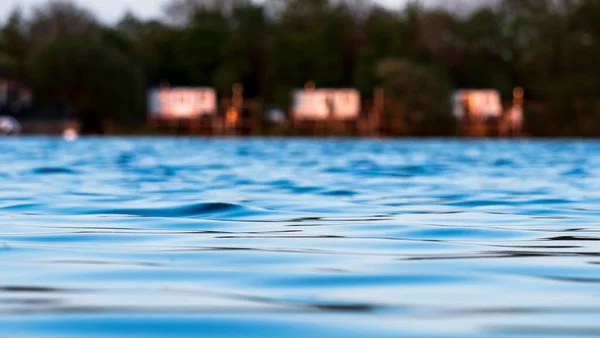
<point>297,238</point>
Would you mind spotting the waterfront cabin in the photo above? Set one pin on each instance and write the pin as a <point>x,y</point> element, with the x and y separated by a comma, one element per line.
<point>182,103</point>
<point>477,105</point>
<point>183,109</point>
<point>325,111</point>
<point>481,113</point>
<point>326,104</point>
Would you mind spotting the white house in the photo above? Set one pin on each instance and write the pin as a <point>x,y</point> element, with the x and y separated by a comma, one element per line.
<point>322,104</point>
<point>182,102</point>
<point>477,104</point>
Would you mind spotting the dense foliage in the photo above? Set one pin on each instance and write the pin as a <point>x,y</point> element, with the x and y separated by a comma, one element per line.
<point>551,48</point>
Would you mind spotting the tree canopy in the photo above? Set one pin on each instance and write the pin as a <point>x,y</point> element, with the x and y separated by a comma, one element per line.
<point>550,48</point>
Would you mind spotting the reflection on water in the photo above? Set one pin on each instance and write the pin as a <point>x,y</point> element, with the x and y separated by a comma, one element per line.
<point>299,238</point>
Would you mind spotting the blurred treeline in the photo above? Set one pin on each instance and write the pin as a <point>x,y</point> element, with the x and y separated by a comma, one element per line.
<point>418,54</point>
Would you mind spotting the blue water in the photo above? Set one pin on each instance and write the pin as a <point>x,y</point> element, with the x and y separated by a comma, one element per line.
<point>299,238</point>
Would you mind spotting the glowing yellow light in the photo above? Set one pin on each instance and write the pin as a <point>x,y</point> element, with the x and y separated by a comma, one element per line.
<point>232,116</point>
<point>518,93</point>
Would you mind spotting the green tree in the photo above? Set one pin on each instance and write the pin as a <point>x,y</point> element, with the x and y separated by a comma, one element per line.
<point>202,44</point>
<point>308,44</point>
<point>61,19</point>
<point>97,82</point>
<point>417,102</point>
<point>548,47</point>
<point>13,44</point>
<point>385,35</point>
<point>156,47</point>
<point>252,36</point>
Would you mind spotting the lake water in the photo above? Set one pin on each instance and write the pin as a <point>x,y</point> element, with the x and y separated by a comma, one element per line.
<point>299,238</point>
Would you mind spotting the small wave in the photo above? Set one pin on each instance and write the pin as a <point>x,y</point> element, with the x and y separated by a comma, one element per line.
<point>53,171</point>
<point>340,193</point>
<point>199,210</point>
<point>30,289</point>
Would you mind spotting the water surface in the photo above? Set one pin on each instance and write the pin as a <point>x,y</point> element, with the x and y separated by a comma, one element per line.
<point>299,238</point>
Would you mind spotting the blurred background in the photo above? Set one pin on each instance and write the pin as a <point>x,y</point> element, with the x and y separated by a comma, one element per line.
<point>401,68</point>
